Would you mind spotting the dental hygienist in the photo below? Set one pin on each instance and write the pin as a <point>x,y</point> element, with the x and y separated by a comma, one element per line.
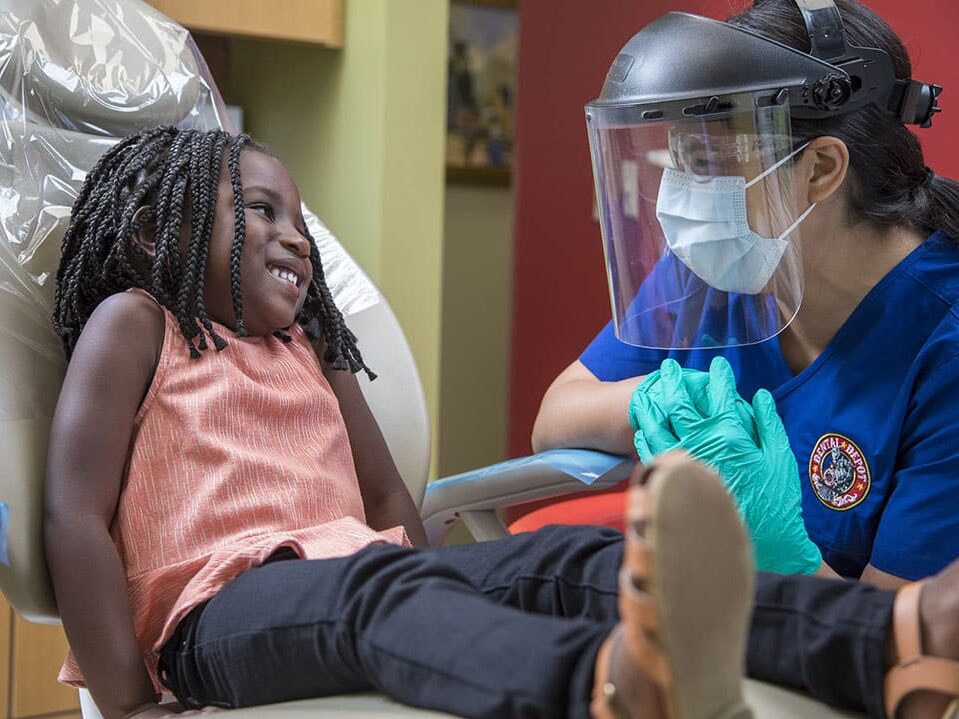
<point>763,199</point>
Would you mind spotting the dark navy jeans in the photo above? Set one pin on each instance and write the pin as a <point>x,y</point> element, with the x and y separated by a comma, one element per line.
<point>509,628</point>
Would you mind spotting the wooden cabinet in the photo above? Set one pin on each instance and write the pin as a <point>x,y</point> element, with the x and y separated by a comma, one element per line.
<point>316,21</point>
<point>35,655</point>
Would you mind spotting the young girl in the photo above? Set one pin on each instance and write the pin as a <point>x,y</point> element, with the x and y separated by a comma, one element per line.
<point>210,436</point>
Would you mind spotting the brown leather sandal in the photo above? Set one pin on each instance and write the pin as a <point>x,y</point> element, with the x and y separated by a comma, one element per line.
<point>915,671</point>
<point>687,586</point>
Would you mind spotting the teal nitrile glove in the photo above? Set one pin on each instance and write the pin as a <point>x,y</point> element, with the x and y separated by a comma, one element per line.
<point>758,466</point>
<point>660,410</point>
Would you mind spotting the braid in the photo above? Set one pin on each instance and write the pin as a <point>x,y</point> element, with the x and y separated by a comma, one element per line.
<point>166,170</point>
<point>207,188</point>
<point>321,315</point>
<point>200,208</point>
<point>239,230</point>
<point>169,220</point>
<point>155,169</point>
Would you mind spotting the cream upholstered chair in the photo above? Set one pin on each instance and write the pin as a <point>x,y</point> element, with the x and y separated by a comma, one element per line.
<point>75,75</point>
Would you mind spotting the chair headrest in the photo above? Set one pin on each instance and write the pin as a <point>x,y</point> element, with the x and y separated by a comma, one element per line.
<point>103,67</point>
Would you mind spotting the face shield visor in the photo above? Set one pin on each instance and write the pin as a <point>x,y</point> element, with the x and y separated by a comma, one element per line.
<point>701,219</point>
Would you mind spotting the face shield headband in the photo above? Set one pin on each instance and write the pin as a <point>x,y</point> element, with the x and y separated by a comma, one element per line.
<point>861,76</point>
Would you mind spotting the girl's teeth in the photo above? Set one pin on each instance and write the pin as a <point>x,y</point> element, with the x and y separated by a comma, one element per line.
<point>284,275</point>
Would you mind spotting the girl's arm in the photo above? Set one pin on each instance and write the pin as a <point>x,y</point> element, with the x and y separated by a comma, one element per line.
<point>386,499</point>
<point>109,373</point>
<point>578,410</point>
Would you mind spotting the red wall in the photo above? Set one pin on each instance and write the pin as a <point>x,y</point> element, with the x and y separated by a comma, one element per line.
<point>560,295</point>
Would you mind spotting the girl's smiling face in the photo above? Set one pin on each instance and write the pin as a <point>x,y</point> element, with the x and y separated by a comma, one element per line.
<point>275,267</point>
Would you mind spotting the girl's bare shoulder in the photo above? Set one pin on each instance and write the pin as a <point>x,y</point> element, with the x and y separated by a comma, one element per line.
<point>127,322</point>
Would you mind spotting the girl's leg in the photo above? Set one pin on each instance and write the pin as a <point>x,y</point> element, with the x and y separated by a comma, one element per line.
<point>409,624</point>
<point>397,620</point>
<point>563,571</point>
<point>827,637</point>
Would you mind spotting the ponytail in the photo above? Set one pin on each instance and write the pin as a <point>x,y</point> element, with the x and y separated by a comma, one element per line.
<point>940,201</point>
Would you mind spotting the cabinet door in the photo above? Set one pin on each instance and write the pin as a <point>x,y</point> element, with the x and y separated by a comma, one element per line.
<point>38,652</point>
<point>319,21</point>
<point>5,614</point>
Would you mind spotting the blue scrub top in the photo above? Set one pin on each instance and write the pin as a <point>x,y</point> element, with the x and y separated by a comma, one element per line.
<point>873,421</point>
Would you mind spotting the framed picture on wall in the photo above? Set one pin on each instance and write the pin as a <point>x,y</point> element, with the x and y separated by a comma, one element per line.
<point>481,91</point>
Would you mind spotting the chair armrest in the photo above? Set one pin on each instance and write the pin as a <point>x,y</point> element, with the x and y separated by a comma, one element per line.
<point>548,474</point>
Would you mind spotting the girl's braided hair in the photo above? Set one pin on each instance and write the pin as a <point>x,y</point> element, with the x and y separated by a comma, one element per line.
<point>162,169</point>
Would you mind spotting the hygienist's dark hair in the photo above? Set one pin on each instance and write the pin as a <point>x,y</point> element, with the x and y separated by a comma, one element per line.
<point>161,170</point>
<point>889,182</point>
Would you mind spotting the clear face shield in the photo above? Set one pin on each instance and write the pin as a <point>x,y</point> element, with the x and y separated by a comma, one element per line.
<point>701,221</point>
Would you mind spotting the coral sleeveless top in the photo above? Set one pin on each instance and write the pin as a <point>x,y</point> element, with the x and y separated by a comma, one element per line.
<point>233,456</point>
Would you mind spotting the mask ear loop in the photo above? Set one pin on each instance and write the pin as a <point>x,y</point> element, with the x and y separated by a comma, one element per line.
<point>775,167</point>
<point>798,222</point>
<point>772,169</point>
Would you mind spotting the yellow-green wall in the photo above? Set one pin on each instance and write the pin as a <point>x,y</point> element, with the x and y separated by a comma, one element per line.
<point>477,294</point>
<point>362,130</point>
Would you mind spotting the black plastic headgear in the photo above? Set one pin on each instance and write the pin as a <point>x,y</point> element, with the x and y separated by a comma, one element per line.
<point>834,78</point>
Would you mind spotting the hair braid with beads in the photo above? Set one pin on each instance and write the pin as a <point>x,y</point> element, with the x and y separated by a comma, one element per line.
<point>164,171</point>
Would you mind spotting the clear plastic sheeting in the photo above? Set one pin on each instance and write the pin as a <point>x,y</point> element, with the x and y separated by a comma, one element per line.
<point>352,290</point>
<point>41,169</point>
<point>103,67</point>
<point>75,76</point>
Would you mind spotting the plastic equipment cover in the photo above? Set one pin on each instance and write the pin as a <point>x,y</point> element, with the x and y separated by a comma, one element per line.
<point>75,75</point>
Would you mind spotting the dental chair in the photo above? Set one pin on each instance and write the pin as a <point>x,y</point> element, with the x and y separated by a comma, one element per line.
<point>75,75</point>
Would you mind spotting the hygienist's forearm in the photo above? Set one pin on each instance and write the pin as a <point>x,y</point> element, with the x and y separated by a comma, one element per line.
<point>588,414</point>
<point>92,599</point>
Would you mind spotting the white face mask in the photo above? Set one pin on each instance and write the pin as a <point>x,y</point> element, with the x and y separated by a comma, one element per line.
<point>707,227</point>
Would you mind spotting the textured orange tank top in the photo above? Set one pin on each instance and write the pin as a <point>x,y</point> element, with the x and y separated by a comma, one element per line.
<point>233,456</point>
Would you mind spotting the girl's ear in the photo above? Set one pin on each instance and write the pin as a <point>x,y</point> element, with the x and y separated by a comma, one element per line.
<point>145,233</point>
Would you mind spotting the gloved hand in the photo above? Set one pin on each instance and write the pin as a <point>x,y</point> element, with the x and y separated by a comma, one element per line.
<point>696,386</point>
<point>747,445</point>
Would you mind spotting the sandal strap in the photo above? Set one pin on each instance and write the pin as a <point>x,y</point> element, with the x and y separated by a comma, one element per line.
<point>639,560</point>
<point>906,622</point>
<point>927,673</point>
<point>915,672</point>
<point>637,568</point>
<point>641,473</point>
<point>652,660</point>
<point>641,606</point>
<point>638,509</point>
<point>639,603</point>
<point>637,554</point>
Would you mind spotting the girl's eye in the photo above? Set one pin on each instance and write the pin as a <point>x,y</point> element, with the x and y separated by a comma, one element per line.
<point>263,209</point>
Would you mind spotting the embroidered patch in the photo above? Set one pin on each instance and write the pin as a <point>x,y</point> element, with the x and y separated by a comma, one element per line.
<point>838,472</point>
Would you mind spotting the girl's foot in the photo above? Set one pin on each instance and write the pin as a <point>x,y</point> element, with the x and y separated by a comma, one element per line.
<point>686,591</point>
<point>924,682</point>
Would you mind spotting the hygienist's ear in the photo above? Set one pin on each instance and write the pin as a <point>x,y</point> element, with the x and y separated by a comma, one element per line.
<point>825,164</point>
<point>144,233</point>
